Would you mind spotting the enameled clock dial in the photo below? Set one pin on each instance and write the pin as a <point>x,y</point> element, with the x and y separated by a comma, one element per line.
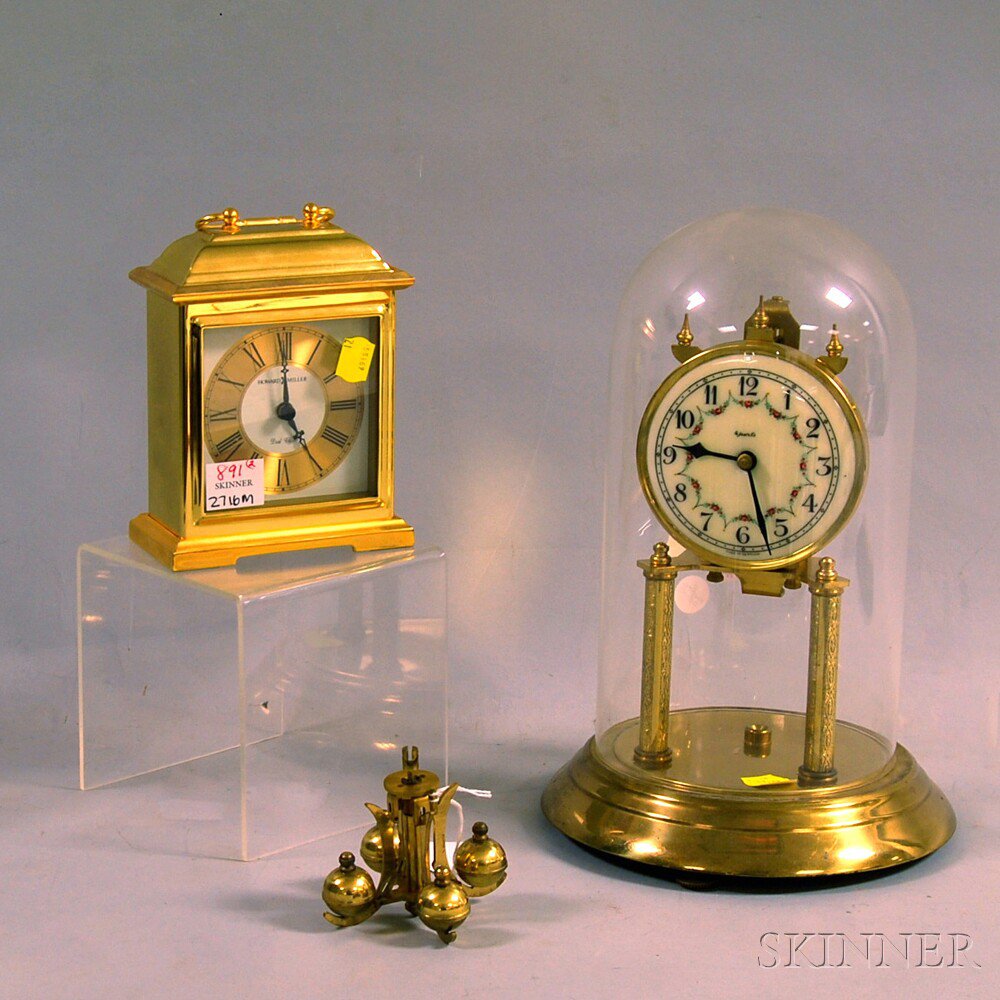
<point>274,395</point>
<point>752,457</point>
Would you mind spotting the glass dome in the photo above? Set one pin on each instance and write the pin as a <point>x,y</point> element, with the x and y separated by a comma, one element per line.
<point>745,665</point>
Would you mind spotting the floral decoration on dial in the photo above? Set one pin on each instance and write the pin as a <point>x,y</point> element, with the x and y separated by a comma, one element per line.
<point>751,458</point>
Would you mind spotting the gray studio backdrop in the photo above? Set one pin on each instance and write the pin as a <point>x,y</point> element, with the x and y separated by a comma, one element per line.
<point>520,159</point>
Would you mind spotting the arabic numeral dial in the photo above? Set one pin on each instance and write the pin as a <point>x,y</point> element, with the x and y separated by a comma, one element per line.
<point>752,459</point>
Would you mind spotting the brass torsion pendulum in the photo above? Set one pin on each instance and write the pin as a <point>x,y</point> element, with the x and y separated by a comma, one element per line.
<point>406,847</point>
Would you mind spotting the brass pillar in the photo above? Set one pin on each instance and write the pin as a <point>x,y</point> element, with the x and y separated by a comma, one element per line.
<point>657,651</point>
<point>824,653</point>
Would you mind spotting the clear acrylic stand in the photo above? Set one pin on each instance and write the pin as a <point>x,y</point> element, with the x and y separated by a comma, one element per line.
<point>276,693</point>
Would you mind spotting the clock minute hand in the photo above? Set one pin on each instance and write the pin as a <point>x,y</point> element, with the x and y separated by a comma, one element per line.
<point>300,436</point>
<point>760,514</point>
<point>699,450</point>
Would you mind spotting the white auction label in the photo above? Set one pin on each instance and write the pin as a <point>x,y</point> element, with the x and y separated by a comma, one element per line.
<point>229,485</point>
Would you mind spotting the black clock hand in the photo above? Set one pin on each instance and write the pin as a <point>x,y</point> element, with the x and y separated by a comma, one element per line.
<point>319,468</point>
<point>760,514</point>
<point>300,436</point>
<point>284,377</point>
<point>699,450</point>
<point>285,411</point>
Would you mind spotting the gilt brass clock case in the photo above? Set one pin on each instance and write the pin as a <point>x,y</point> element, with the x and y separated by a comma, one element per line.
<point>241,313</point>
<point>747,716</point>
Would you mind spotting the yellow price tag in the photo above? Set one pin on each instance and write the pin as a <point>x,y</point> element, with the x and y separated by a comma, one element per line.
<point>762,780</point>
<point>355,359</point>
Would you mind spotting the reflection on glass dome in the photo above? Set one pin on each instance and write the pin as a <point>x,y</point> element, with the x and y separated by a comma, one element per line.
<point>761,420</point>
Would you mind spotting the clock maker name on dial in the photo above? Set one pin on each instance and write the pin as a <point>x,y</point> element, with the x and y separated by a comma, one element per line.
<point>751,458</point>
<point>275,395</point>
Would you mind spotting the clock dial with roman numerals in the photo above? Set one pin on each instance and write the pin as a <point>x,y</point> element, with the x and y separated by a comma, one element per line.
<point>274,396</point>
<point>752,457</point>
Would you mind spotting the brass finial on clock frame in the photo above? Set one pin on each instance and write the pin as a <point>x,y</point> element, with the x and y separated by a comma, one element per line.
<point>406,847</point>
<point>835,359</point>
<point>685,348</point>
<point>760,321</point>
<point>684,335</point>
<point>834,348</point>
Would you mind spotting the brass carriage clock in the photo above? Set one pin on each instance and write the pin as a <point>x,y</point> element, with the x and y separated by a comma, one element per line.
<point>753,455</point>
<point>270,384</point>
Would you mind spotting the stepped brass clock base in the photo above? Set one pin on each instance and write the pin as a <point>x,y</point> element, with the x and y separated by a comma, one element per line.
<point>205,552</point>
<point>696,814</point>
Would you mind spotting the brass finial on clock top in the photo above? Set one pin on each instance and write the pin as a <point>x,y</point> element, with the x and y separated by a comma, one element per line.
<point>684,348</point>
<point>759,322</point>
<point>836,359</point>
<point>271,373</point>
<point>684,335</point>
<point>406,848</point>
<point>834,348</point>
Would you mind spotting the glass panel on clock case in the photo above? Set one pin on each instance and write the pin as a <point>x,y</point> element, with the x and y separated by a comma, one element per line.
<point>273,396</point>
<point>752,457</point>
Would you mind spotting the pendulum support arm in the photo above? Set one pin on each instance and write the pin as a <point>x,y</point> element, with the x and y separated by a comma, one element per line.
<point>657,654</point>
<point>824,655</point>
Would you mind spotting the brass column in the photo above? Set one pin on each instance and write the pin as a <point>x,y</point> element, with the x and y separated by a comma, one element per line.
<point>824,654</point>
<point>657,651</point>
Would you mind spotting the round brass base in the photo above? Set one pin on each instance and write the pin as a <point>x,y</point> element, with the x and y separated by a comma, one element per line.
<point>891,815</point>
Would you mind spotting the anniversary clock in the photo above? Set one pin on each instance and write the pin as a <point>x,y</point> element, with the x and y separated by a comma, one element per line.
<point>270,351</point>
<point>756,507</point>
